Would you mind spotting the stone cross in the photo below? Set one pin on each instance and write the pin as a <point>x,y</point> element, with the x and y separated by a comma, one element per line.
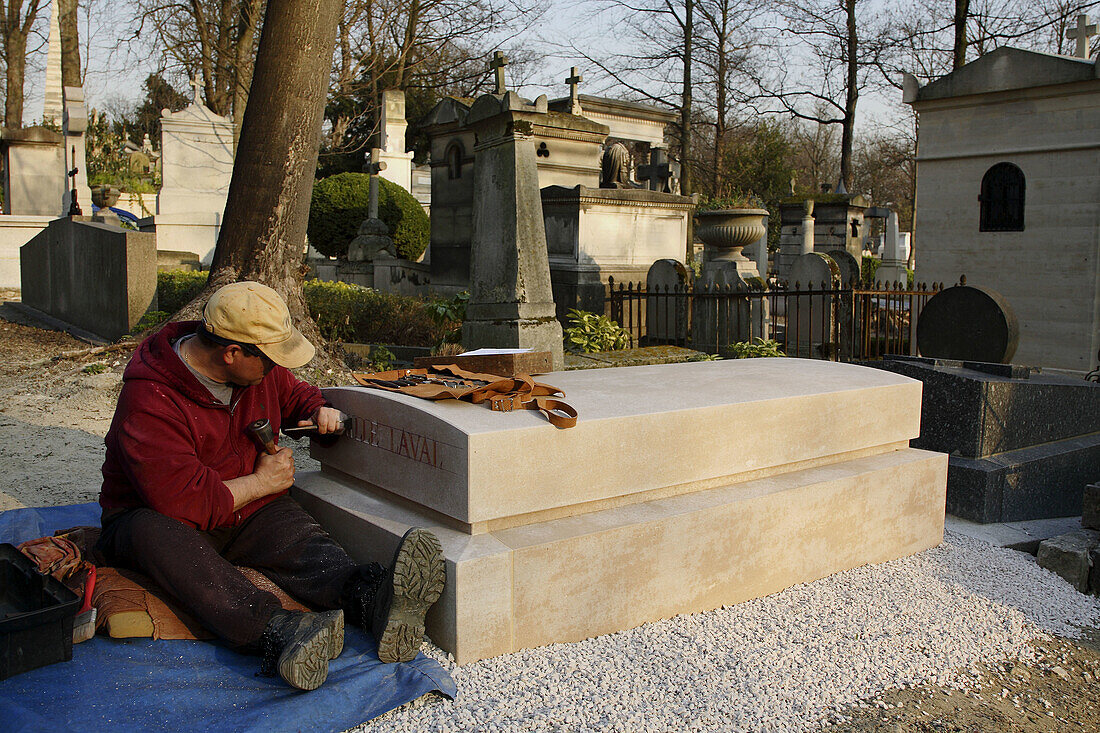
<point>497,64</point>
<point>195,85</point>
<point>374,166</point>
<point>657,173</point>
<point>1082,33</point>
<point>574,81</point>
<point>74,205</point>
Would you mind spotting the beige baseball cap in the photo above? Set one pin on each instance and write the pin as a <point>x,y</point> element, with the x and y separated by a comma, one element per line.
<point>252,313</point>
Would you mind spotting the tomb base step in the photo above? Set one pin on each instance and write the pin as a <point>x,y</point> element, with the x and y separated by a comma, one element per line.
<point>572,578</point>
<point>1038,482</point>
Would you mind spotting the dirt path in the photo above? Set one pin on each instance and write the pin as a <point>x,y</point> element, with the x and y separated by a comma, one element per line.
<point>57,397</point>
<point>54,412</point>
<point>1059,691</point>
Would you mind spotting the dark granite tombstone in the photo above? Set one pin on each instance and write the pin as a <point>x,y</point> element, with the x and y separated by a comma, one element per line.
<point>968,323</point>
<point>849,266</point>
<point>1022,444</point>
<point>666,308</point>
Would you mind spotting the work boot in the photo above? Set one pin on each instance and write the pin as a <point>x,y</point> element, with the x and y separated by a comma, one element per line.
<point>392,602</point>
<point>299,646</point>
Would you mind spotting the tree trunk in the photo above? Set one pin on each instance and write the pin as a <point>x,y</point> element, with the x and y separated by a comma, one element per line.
<point>264,235</point>
<point>70,44</point>
<point>411,25</point>
<point>962,12</point>
<point>721,89</point>
<point>15,47</point>
<point>851,98</point>
<point>685,122</point>
<point>247,24</point>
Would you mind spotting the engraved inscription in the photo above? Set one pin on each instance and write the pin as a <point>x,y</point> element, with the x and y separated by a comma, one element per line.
<point>400,442</point>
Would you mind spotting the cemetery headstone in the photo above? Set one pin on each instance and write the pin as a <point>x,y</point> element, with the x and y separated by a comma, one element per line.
<point>391,136</point>
<point>34,165</point>
<point>847,331</point>
<point>52,105</point>
<point>196,168</point>
<point>373,236</point>
<point>968,323</point>
<point>511,304</point>
<point>658,174</point>
<point>666,302</point>
<point>812,318</point>
<point>75,123</point>
<point>895,253</point>
<point>95,276</point>
<point>1023,444</point>
<point>847,264</point>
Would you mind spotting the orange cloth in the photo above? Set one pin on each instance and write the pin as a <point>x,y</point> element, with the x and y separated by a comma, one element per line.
<point>119,591</point>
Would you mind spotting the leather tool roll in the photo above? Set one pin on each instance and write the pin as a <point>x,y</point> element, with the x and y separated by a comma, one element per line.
<point>503,394</point>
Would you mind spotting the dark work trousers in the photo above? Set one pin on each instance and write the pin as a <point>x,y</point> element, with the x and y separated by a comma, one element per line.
<point>280,540</point>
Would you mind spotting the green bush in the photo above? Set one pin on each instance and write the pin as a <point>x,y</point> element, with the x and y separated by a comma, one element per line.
<point>758,347</point>
<point>450,313</point>
<point>868,268</point>
<point>346,312</point>
<point>151,319</point>
<point>340,204</point>
<point>591,333</point>
<point>177,289</point>
<point>343,312</point>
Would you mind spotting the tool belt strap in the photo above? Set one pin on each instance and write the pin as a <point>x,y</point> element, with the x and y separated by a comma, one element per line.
<point>503,394</point>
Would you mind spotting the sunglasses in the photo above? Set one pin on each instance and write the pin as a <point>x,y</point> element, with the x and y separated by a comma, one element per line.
<point>250,349</point>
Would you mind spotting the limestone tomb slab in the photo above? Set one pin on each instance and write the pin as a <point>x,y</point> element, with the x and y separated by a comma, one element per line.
<point>744,417</point>
<point>576,577</point>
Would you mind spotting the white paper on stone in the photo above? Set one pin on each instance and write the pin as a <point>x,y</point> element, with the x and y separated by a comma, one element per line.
<point>494,352</point>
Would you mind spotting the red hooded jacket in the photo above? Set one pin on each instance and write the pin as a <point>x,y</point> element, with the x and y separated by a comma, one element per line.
<point>172,446</point>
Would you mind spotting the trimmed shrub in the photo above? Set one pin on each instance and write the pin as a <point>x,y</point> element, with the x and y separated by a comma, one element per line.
<point>343,312</point>
<point>346,312</point>
<point>340,203</point>
<point>758,347</point>
<point>177,289</point>
<point>868,268</point>
<point>591,333</point>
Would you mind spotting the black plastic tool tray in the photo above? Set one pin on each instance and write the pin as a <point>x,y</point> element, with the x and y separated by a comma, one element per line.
<point>36,616</point>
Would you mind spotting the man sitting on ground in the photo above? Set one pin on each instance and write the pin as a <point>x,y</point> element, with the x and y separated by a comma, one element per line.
<point>188,494</point>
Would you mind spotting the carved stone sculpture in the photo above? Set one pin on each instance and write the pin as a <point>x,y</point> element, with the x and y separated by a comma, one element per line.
<point>615,167</point>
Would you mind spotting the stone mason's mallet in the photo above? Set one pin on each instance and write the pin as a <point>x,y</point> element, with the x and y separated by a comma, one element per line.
<point>263,434</point>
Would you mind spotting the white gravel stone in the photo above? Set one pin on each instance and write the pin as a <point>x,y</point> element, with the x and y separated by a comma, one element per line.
<point>790,661</point>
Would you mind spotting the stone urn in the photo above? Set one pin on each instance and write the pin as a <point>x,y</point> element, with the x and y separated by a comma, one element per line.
<point>727,231</point>
<point>105,196</point>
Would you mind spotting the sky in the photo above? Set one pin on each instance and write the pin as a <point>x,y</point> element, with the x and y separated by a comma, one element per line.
<point>116,68</point>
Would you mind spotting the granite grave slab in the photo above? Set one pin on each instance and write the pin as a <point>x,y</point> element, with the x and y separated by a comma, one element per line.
<point>1023,443</point>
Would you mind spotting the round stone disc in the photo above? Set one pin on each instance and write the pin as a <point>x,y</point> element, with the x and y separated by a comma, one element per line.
<point>968,323</point>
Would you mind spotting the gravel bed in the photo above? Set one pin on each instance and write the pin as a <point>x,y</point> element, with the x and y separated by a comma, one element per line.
<point>787,662</point>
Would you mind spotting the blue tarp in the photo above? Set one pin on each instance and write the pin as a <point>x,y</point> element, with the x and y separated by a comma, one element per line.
<point>142,685</point>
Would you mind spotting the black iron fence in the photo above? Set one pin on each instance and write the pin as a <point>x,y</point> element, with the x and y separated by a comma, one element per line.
<point>823,321</point>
